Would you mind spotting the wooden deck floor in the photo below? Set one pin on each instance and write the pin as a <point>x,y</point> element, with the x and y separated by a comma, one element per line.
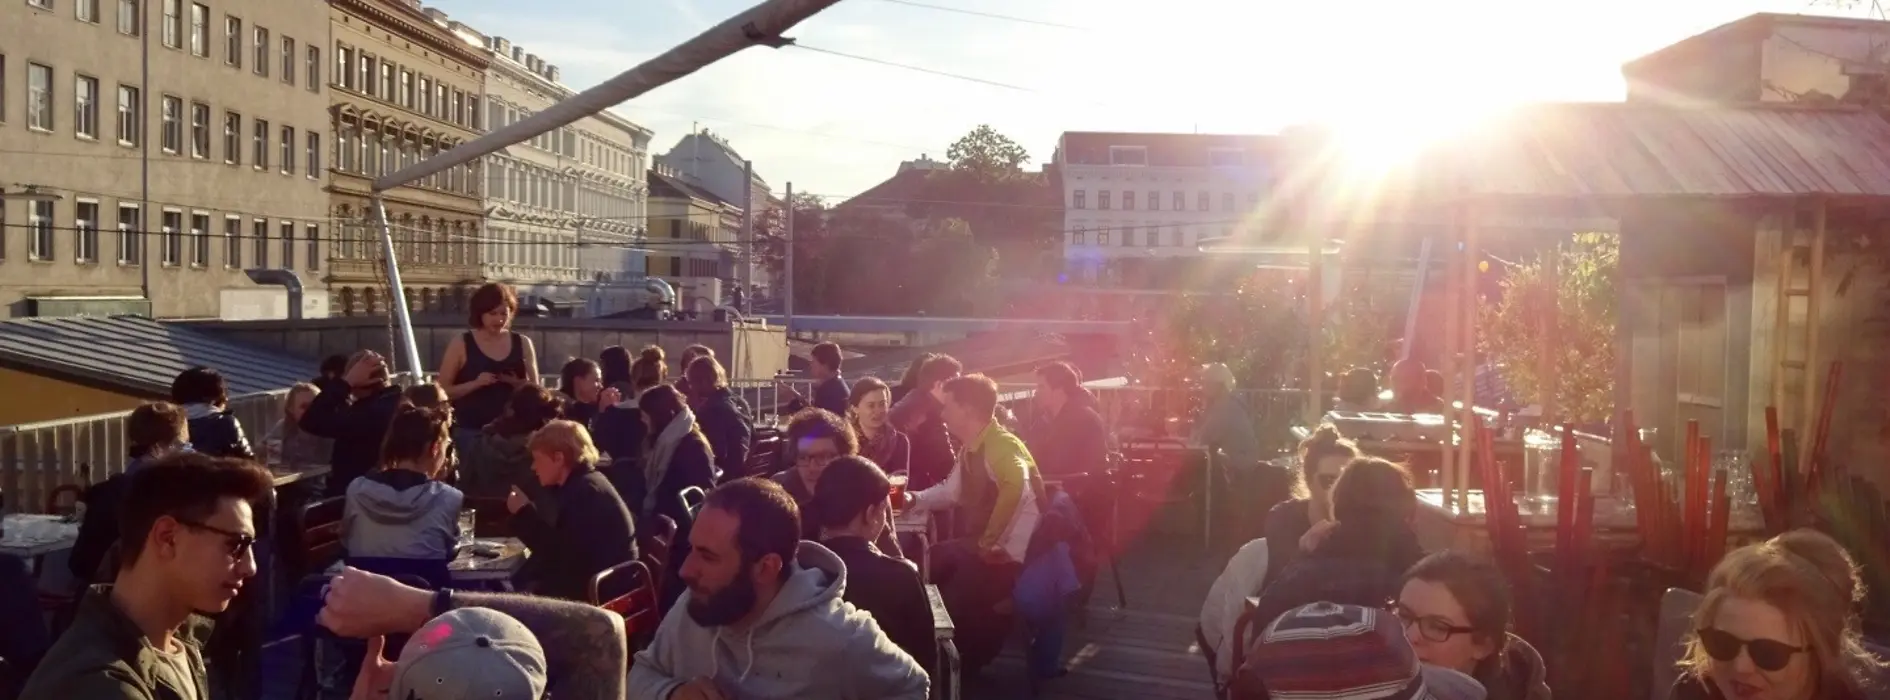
<point>1145,650</point>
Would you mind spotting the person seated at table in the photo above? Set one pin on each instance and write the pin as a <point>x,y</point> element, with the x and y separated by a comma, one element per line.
<point>206,400</point>
<point>852,510</point>
<point>765,617</point>
<point>998,499</point>
<point>497,461</point>
<point>919,414</point>
<point>1412,390</point>
<point>678,458</point>
<point>620,431</point>
<point>581,385</point>
<point>187,552</point>
<point>1456,612</point>
<point>1362,558</point>
<point>830,388</point>
<point>153,431</point>
<point>1322,457</point>
<point>593,530</point>
<point>1358,390</point>
<point>1332,650</point>
<point>870,409</point>
<point>353,411</point>
<point>815,438</point>
<point>1226,426</point>
<point>286,443</point>
<point>403,511</point>
<point>717,416</point>
<point>1779,620</point>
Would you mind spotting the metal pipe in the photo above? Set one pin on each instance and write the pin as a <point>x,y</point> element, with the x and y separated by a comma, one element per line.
<point>144,154</point>
<point>747,277</point>
<point>408,345</point>
<point>787,306</point>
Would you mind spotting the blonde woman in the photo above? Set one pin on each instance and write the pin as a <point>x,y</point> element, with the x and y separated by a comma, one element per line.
<point>287,444</point>
<point>591,531</point>
<point>1778,622</point>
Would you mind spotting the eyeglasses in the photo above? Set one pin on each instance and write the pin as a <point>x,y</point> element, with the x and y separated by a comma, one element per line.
<point>815,457</point>
<point>1433,627</point>
<point>239,543</point>
<point>1767,654</point>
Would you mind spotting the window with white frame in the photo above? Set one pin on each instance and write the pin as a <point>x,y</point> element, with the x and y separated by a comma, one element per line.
<point>85,224</point>
<point>1079,200</point>
<point>1203,201</point>
<point>173,231</point>
<point>233,242</point>
<point>232,138</point>
<point>85,107</point>
<point>1102,199</point>
<point>129,126</point>
<point>199,239</point>
<point>199,130</point>
<point>288,60</point>
<point>85,10</point>
<point>259,242</point>
<point>259,145</point>
<point>288,150</point>
<point>313,65</point>
<point>1128,200</point>
<point>312,155</point>
<point>344,66</point>
<point>39,97</point>
<point>1128,155</point>
<point>200,30</point>
<point>128,17</point>
<point>39,220</point>
<point>173,27</point>
<point>288,244</point>
<point>171,131</point>
<point>232,42</point>
<point>1154,201</point>
<point>312,235</point>
<point>260,60</point>
<point>130,235</point>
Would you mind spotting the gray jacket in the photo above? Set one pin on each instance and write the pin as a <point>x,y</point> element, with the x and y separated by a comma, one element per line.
<point>400,514</point>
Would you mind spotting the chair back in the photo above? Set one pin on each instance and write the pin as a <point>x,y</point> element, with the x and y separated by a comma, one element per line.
<point>692,499</point>
<point>628,589</point>
<point>762,451</point>
<point>319,526</point>
<point>658,538</point>
<point>64,499</point>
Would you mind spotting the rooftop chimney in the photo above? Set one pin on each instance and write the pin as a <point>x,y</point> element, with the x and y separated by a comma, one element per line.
<point>551,73</point>
<point>531,61</point>
<point>518,54</point>
<point>501,45</point>
<point>434,14</point>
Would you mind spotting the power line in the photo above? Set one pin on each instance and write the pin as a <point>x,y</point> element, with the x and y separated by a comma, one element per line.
<point>988,15</point>
<point>916,69</point>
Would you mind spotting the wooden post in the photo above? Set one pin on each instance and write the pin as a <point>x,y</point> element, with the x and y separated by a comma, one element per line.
<point>1467,416</point>
<point>1814,289</point>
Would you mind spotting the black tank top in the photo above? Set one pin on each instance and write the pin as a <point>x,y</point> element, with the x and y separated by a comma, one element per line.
<point>476,409</point>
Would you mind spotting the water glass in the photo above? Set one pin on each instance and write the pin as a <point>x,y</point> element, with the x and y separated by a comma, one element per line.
<point>467,521</point>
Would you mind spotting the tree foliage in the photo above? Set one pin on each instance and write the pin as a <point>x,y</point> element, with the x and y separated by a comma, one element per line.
<point>1257,330</point>
<point>859,261</point>
<point>987,156</point>
<point>1582,321</point>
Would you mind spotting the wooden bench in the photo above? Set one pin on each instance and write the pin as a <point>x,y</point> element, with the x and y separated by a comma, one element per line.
<point>945,677</point>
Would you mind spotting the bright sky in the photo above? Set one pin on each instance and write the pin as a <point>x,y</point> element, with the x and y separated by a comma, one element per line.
<point>836,126</point>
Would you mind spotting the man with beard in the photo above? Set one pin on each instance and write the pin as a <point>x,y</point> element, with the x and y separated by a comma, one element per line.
<point>187,547</point>
<point>764,616</point>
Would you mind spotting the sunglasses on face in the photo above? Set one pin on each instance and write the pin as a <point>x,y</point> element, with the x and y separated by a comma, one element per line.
<point>1433,627</point>
<point>1767,654</point>
<point>239,544</point>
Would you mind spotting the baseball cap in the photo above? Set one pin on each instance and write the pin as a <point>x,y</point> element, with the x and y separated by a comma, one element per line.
<point>1330,651</point>
<point>470,653</point>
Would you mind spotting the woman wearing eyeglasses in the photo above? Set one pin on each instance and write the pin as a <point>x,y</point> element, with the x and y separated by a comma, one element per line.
<point>1456,613</point>
<point>1778,622</point>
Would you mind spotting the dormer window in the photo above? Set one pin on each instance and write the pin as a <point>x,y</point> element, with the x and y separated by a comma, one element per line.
<point>1128,155</point>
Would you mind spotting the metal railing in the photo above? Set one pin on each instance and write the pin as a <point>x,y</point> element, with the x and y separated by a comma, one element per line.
<point>36,458</point>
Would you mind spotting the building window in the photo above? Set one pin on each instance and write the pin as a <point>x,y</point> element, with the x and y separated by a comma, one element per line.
<point>261,48</point>
<point>473,113</point>
<point>1128,155</point>
<point>199,130</point>
<point>233,242</point>
<point>1180,201</point>
<point>288,245</point>
<point>1102,199</point>
<point>259,242</point>
<point>1154,201</point>
<point>312,156</point>
<point>426,96</point>
<point>129,124</point>
<point>1174,237</point>
<point>86,10</point>
<point>1153,236</point>
<point>1128,200</point>
<point>232,42</point>
<point>1078,237</point>
<point>39,97</point>
<point>85,219</point>
<point>232,138</point>
<point>130,235</point>
<point>1227,201</point>
<point>406,89</point>
<point>85,107</point>
<point>128,17</point>
<point>314,66</point>
<point>1079,200</point>
<point>387,81</point>
<point>259,145</point>
<point>40,221</point>
<point>344,66</point>
<point>199,30</point>
<point>313,234</point>
<point>200,239</point>
<point>3,88</point>
<point>173,252</point>
<point>173,34</point>
<point>364,75</point>
<point>288,60</point>
<point>171,133</point>
<point>1203,201</point>
<point>288,150</point>
<point>1102,236</point>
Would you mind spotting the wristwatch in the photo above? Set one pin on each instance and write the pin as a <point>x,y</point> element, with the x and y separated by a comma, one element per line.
<point>442,602</point>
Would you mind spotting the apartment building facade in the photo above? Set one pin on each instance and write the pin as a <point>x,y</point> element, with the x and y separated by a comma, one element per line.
<point>694,240</point>
<point>568,206</point>
<point>407,83</point>
<point>709,162</point>
<point>172,143</point>
<point>1138,205</point>
<point>1767,57</point>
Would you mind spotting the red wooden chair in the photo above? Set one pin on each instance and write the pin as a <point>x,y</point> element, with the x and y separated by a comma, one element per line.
<point>655,542</point>
<point>64,500</point>
<point>319,526</point>
<point>636,603</point>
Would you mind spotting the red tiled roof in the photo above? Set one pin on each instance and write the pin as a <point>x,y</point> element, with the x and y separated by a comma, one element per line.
<point>1164,150</point>
<point>904,186</point>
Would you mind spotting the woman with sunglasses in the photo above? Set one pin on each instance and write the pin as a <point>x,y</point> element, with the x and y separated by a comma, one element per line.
<point>1456,613</point>
<point>1778,622</point>
<point>1322,456</point>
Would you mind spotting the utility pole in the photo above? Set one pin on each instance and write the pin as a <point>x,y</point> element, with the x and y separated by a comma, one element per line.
<point>747,277</point>
<point>787,305</point>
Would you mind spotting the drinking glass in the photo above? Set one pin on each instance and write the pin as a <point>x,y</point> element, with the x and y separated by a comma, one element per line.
<point>899,480</point>
<point>467,521</point>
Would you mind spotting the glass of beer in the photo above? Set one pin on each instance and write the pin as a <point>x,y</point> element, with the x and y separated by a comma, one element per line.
<point>898,490</point>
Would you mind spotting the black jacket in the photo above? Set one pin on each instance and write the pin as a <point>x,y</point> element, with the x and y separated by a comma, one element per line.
<point>934,452</point>
<point>1355,565</point>
<point>728,431</point>
<point>1072,442</point>
<point>217,433</point>
<point>831,396</point>
<point>889,589</point>
<point>594,531</point>
<point>1286,524</point>
<point>358,426</point>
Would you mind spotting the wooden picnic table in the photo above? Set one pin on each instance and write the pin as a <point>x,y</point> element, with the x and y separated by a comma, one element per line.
<point>288,475</point>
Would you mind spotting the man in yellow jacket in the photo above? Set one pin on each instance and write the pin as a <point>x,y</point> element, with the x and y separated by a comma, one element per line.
<point>998,498</point>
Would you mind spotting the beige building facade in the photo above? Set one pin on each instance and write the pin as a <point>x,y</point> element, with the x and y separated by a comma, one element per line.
<point>693,240</point>
<point>406,85</point>
<point>159,180</point>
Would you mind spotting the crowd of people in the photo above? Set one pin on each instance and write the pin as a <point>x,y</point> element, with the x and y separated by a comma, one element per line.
<point>796,576</point>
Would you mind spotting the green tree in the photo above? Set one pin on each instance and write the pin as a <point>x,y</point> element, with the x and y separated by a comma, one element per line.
<point>987,156</point>
<point>1582,320</point>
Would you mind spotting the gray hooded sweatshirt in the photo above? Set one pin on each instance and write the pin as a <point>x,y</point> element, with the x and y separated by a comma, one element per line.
<point>808,644</point>
<point>400,514</point>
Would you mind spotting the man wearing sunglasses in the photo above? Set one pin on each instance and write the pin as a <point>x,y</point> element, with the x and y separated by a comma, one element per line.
<point>187,534</point>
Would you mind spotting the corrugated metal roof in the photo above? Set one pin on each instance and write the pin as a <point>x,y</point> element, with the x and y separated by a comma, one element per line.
<point>142,355</point>
<point>1620,150</point>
